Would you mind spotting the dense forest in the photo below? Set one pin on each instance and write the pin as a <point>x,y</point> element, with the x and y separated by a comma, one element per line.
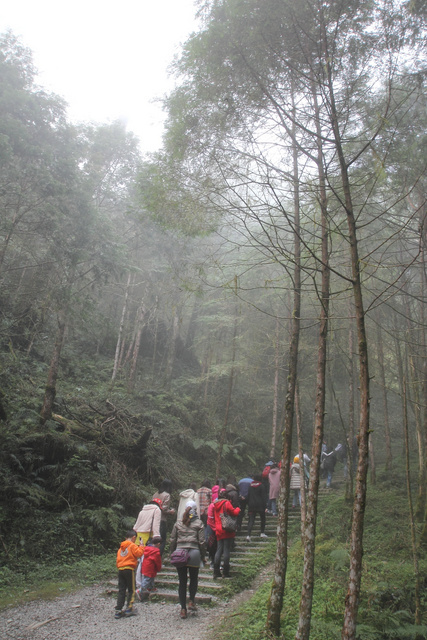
<point>251,290</point>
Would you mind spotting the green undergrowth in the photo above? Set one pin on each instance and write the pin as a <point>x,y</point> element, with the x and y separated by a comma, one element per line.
<point>45,581</point>
<point>245,575</point>
<point>386,608</point>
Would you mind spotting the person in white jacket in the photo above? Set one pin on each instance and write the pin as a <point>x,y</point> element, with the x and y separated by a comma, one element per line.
<point>148,521</point>
<point>184,497</point>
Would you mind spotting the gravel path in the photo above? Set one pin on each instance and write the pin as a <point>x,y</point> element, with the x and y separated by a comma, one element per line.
<point>89,615</point>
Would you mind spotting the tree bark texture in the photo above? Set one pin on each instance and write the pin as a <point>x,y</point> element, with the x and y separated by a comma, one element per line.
<point>50,391</point>
<point>309,534</point>
<point>279,579</point>
<point>356,541</point>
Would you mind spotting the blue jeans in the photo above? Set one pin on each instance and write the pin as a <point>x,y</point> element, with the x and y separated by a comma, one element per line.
<point>147,583</point>
<point>274,506</point>
<point>297,498</point>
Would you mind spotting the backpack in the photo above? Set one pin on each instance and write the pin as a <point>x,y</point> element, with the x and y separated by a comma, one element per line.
<point>180,557</point>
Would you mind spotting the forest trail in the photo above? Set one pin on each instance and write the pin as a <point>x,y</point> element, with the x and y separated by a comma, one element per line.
<point>89,613</point>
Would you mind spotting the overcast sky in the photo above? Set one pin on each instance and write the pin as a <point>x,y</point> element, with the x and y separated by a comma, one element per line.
<point>108,60</point>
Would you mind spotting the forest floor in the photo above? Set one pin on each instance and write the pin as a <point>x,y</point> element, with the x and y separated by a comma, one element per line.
<point>89,613</point>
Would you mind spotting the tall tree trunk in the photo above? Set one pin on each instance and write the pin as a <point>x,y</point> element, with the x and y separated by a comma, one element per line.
<point>309,534</point>
<point>421,507</point>
<point>192,327</point>
<point>155,340</point>
<point>139,325</point>
<point>389,457</point>
<point>351,437</point>
<point>418,615</point>
<point>230,389</point>
<point>280,565</point>
<point>120,335</point>
<point>301,458</point>
<point>172,349</point>
<point>206,365</point>
<point>52,377</point>
<point>275,389</point>
<point>356,540</point>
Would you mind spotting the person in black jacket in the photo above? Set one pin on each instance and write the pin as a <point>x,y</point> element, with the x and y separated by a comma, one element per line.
<point>257,497</point>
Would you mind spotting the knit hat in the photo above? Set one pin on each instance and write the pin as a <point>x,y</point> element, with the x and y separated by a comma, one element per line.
<point>296,460</point>
<point>193,508</point>
<point>157,501</point>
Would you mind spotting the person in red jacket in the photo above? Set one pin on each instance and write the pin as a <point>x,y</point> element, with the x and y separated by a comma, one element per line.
<point>224,538</point>
<point>127,560</point>
<point>151,565</point>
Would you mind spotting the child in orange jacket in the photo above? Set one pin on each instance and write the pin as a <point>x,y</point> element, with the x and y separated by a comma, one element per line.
<point>127,560</point>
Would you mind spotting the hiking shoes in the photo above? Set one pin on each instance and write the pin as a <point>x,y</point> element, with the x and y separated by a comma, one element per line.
<point>118,615</point>
<point>129,613</point>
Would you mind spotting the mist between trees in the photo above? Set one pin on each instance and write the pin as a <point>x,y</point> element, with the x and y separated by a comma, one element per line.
<point>268,263</point>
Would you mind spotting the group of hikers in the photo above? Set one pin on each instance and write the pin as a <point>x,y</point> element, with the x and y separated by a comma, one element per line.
<point>207,519</point>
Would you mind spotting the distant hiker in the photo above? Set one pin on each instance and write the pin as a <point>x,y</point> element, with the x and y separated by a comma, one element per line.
<point>265,473</point>
<point>188,534</point>
<point>150,567</point>
<point>184,497</point>
<point>205,495</point>
<point>328,462</point>
<point>274,482</point>
<point>257,497</point>
<point>164,494</point>
<point>210,534</point>
<point>127,560</point>
<point>147,524</point>
<point>224,538</point>
<point>297,478</point>
<point>220,484</point>
<point>232,492</point>
<point>244,485</point>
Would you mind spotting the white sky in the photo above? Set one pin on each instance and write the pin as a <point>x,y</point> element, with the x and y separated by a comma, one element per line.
<point>109,59</point>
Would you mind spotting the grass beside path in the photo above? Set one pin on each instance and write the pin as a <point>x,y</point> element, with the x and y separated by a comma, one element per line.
<point>386,610</point>
<point>37,581</point>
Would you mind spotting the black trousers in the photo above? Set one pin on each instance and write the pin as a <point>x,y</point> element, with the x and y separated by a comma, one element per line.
<point>126,589</point>
<point>251,520</point>
<point>183,573</point>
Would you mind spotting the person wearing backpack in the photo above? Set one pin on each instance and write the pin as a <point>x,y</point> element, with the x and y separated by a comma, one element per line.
<point>224,536</point>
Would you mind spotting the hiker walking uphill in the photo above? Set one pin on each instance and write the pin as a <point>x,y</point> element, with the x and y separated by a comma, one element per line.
<point>164,494</point>
<point>257,499</point>
<point>188,534</point>
<point>147,523</point>
<point>297,478</point>
<point>225,538</point>
<point>274,482</point>
<point>328,462</point>
<point>184,497</point>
